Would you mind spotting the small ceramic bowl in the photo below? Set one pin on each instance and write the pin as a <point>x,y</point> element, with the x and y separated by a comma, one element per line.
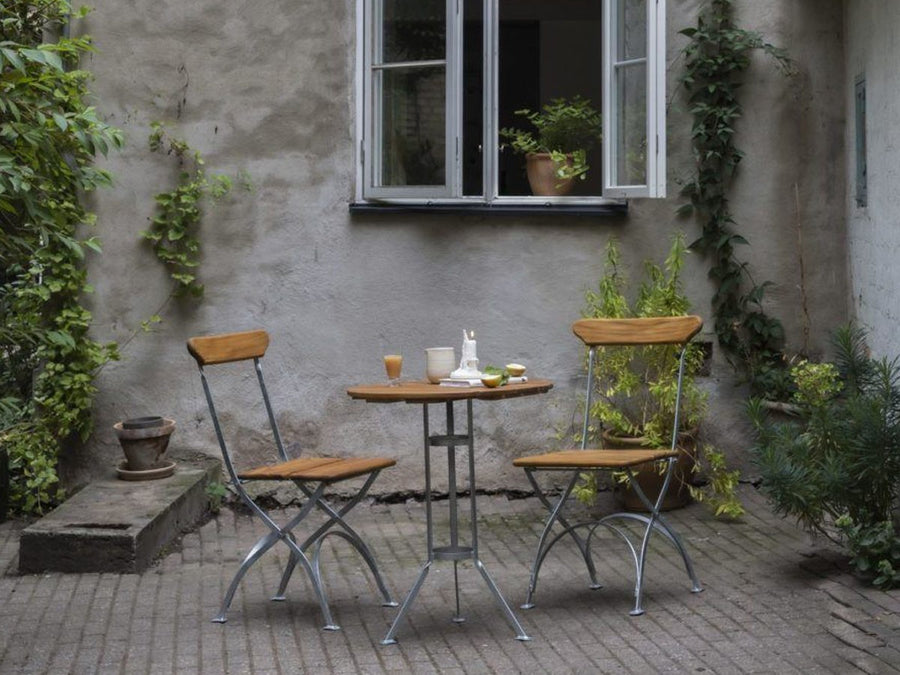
<point>491,380</point>
<point>515,369</point>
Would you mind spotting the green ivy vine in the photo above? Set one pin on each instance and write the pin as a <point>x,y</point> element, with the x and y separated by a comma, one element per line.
<point>174,229</point>
<point>49,138</point>
<point>715,60</point>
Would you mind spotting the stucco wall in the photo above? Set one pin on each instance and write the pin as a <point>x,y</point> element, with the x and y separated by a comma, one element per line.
<point>873,50</point>
<point>268,87</point>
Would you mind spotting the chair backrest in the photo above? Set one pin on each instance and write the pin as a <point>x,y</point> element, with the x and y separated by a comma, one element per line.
<point>211,350</point>
<point>227,347</point>
<point>668,330</point>
<point>645,331</point>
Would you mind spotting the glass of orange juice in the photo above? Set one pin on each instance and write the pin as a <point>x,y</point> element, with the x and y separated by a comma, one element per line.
<point>392,365</point>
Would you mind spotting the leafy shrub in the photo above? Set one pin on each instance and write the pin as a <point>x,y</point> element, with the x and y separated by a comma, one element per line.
<point>49,137</point>
<point>837,469</point>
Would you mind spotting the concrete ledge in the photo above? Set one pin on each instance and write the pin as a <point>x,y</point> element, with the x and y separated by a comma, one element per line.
<point>117,526</point>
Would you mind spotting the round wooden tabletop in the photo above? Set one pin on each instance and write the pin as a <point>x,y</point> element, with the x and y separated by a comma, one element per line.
<point>425,392</point>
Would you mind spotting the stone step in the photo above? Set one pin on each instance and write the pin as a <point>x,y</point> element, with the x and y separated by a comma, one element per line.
<point>116,525</point>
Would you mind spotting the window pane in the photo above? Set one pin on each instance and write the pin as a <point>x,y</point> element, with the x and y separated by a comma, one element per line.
<point>547,50</point>
<point>412,129</point>
<point>632,16</point>
<point>473,99</point>
<point>414,30</point>
<point>631,129</point>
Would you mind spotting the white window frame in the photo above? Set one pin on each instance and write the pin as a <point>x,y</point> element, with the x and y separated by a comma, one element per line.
<point>367,34</point>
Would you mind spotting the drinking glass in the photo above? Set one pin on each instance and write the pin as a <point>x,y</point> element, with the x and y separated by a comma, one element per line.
<point>392,365</point>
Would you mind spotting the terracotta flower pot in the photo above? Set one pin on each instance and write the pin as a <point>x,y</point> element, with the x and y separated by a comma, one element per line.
<point>144,441</point>
<point>541,171</point>
<point>648,476</point>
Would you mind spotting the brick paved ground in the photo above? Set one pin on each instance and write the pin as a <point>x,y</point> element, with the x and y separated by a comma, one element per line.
<point>774,603</point>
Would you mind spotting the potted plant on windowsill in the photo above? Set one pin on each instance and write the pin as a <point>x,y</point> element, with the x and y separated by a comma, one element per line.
<point>556,151</point>
<point>635,391</point>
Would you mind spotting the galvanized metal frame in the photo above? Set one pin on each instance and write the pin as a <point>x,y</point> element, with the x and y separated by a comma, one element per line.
<point>299,553</point>
<point>655,522</point>
<point>454,551</point>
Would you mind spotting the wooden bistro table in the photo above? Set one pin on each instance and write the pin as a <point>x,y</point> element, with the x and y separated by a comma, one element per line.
<point>425,393</point>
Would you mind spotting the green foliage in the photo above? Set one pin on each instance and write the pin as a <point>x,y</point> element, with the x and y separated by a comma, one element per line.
<point>816,382</point>
<point>174,230</point>
<point>842,457</point>
<point>720,490</point>
<point>564,128</point>
<point>49,137</point>
<point>875,550</point>
<point>715,60</point>
<point>635,388</point>
<point>216,492</point>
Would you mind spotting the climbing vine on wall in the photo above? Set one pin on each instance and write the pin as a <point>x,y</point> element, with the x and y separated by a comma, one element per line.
<point>715,60</point>
<point>49,137</point>
<point>174,229</point>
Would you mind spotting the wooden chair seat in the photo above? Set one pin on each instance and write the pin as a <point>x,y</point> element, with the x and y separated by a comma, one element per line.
<point>593,459</point>
<point>324,469</point>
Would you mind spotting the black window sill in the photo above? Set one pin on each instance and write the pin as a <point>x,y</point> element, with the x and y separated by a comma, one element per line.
<point>615,209</point>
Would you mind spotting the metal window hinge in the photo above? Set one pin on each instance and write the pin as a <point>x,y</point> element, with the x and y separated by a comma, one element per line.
<point>362,151</point>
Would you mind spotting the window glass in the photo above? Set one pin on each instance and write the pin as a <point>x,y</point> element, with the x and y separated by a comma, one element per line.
<point>631,130</point>
<point>412,126</point>
<point>413,30</point>
<point>633,29</point>
<point>546,51</point>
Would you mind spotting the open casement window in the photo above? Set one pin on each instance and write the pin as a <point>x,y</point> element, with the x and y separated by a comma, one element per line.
<point>440,79</point>
<point>634,106</point>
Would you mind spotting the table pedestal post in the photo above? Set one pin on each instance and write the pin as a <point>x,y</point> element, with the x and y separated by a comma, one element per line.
<point>454,551</point>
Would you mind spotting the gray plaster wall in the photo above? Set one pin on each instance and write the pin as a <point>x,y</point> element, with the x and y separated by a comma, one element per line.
<point>873,51</point>
<point>268,87</point>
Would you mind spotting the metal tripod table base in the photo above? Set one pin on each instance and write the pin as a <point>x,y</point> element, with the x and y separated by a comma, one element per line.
<point>454,551</point>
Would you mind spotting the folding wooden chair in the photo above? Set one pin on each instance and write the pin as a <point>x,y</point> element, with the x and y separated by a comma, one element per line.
<point>611,333</point>
<point>312,475</point>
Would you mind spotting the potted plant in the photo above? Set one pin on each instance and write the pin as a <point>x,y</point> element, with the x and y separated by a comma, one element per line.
<point>556,151</point>
<point>634,401</point>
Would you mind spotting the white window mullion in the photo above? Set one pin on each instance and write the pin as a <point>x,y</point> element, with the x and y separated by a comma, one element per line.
<point>454,96</point>
<point>656,98</point>
<point>490,138</point>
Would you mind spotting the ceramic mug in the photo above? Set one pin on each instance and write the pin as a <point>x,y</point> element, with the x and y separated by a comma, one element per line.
<point>439,363</point>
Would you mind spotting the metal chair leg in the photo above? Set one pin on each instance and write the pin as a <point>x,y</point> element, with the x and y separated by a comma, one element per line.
<point>350,534</point>
<point>544,547</point>
<point>582,544</point>
<point>261,546</point>
<point>278,533</point>
<point>286,576</point>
